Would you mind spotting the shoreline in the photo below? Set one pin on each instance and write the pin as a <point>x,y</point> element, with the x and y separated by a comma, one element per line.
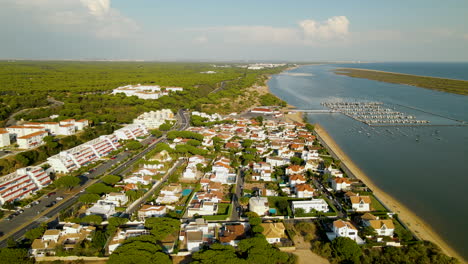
<point>399,73</point>
<point>416,225</point>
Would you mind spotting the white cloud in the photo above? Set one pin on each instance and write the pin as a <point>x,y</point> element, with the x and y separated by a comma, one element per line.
<point>334,27</point>
<point>307,32</point>
<point>97,8</point>
<point>95,17</point>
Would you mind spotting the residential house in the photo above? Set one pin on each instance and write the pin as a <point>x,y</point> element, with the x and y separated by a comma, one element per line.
<point>274,232</point>
<point>259,205</point>
<point>195,234</point>
<point>360,203</point>
<point>304,190</point>
<point>123,234</point>
<point>148,210</point>
<point>170,194</point>
<point>345,229</point>
<point>340,184</point>
<point>276,161</point>
<point>67,238</point>
<point>231,234</point>
<point>119,199</point>
<point>102,208</point>
<point>295,179</point>
<point>295,169</point>
<point>383,227</point>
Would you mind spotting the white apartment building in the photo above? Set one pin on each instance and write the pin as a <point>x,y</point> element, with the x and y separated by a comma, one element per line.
<point>4,138</point>
<point>132,131</point>
<point>154,119</point>
<point>21,183</point>
<point>313,204</point>
<point>31,140</point>
<point>65,127</point>
<point>174,89</point>
<point>19,131</point>
<point>84,154</point>
<point>145,91</point>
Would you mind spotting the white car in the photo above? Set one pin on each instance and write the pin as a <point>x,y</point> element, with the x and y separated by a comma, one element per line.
<point>59,198</point>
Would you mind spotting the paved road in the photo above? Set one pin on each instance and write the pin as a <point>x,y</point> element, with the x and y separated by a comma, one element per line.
<point>235,215</point>
<point>17,227</point>
<point>131,209</point>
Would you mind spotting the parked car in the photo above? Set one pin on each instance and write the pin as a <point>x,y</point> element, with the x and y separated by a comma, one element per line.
<point>51,204</point>
<point>51,193</point>
<point>59,198</point>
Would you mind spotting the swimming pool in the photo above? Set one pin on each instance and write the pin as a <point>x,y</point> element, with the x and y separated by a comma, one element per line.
<point>186,192</point>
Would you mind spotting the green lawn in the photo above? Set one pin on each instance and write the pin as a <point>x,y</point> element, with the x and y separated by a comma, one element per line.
<point>376,205</point>
<point>224,210</point>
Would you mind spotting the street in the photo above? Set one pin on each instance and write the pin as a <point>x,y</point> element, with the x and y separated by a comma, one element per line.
<point>30,218</point>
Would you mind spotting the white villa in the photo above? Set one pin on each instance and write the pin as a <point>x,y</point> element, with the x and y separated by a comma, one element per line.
<point>314,204</point>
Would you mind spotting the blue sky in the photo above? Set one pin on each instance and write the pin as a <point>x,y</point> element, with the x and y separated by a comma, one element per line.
<point>235,30</point>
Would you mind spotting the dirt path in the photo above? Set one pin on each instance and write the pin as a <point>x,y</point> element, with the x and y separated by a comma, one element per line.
<point>305,256</point>
<point>11,121</point>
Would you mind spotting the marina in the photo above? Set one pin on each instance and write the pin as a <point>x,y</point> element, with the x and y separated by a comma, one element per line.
<point>373,113</point>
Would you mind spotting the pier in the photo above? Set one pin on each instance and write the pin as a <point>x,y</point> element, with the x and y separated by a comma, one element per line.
<point>316,111</point>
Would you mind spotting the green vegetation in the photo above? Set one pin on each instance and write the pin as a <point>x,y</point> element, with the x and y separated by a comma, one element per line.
<point>141,249</point>
<point>89,198</point>
<point>162,226</point>
<point>271,100</point>
<point>184,134</point>
<point>52,147</point>
<point>15,256</point>
<point>376,205</point>
<point>111,179</point>
<point>100,188</point>
<point>133,145</point>
<point>224,211</point>
<point>67,182</point>
<point>84,87</point>
<point>438,84</point>
<point>35,233</point>
<point>252,250</point>
<point>345,250</point>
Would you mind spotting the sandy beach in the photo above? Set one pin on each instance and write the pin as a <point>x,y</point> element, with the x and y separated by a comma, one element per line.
<point>414,223</point>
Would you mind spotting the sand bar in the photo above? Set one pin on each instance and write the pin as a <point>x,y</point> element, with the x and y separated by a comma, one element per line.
<point>414,223</point>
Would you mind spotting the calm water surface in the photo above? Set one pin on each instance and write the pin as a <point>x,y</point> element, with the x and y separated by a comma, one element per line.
<point>450,70</point>
<point>425,168</point>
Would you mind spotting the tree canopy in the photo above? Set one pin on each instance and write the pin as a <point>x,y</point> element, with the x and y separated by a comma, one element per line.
<point>162,226</point>
<point>100,188</point>
<point>67,182</point>
<point>141,249</point>
<point>251,250</point>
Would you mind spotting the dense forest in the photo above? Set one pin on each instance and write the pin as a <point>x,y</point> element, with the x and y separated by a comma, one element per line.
<point>36,90</point>
<point>85,87</point>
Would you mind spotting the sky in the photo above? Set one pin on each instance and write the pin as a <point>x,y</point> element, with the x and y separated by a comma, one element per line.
<point>255,30</point>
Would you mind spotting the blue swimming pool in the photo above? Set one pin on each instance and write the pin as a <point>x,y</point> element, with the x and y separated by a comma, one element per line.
<point>186,192</point>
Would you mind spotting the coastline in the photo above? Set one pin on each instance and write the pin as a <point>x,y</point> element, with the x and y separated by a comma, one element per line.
<point>399,73</point>
<point>417,225</point>
<point>446,85</point>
